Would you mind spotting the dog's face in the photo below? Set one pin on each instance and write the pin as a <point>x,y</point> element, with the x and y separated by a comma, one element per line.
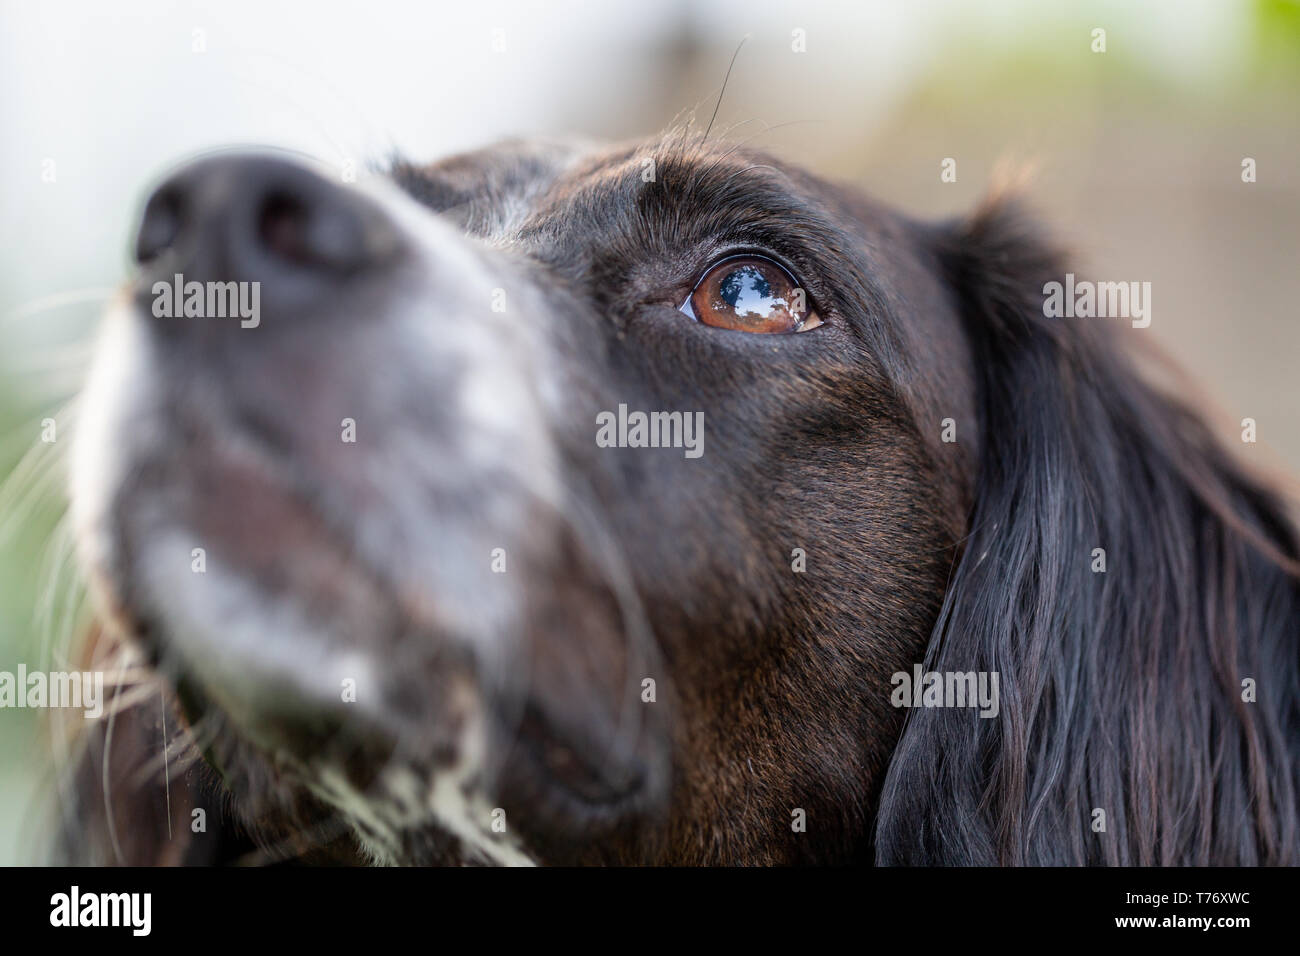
<point>398,545</point>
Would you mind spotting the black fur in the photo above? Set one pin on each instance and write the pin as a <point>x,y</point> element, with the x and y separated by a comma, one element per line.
<point>1120,692</point>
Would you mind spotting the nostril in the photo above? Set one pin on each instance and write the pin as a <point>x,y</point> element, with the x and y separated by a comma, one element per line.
<point>159,226</point>
<point>261,219</point>
<point>324,232</point>
<point>282,225</point>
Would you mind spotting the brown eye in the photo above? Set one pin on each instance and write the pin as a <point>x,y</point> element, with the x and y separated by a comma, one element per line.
<point>751,294</point>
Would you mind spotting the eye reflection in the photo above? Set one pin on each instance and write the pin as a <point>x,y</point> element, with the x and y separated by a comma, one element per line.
<point>747,291</point>
<point>750,294</point>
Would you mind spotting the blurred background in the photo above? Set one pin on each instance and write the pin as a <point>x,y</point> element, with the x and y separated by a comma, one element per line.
<point>1138,155</point>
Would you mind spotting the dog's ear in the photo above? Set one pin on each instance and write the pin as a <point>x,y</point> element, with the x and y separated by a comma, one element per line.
<point>1133,589</point>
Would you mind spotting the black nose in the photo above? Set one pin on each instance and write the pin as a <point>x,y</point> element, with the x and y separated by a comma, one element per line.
<point>261,218</point>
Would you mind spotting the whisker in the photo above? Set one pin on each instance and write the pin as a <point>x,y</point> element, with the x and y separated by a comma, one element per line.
<point>106,782</point>
<point>167,780</point>
<point>124,700</point>
<point>59,300</point>
<point>725,80</point>
<point>28,481</point>
<point>64,356</point>
<point>183,746</point>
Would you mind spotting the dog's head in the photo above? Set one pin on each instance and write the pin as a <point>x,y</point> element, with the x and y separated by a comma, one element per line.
<point>580,504</point>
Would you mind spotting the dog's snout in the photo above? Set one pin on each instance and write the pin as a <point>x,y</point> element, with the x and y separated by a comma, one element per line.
<point>261,218</point>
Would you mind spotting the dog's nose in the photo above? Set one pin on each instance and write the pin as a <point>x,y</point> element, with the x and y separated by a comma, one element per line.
<point>261,218</point>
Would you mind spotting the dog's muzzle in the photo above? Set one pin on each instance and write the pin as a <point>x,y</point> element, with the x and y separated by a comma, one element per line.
<point>318,475</point>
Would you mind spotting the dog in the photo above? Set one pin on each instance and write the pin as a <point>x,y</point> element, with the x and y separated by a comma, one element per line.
<point>581,504</point>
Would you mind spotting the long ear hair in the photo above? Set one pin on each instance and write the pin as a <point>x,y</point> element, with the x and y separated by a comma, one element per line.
<point>1148,713</point>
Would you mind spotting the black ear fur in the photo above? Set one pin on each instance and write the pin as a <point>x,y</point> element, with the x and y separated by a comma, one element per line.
<point>1119,691</point>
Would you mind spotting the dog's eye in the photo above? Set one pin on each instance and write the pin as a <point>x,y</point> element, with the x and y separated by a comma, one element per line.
<point>750,294</point>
